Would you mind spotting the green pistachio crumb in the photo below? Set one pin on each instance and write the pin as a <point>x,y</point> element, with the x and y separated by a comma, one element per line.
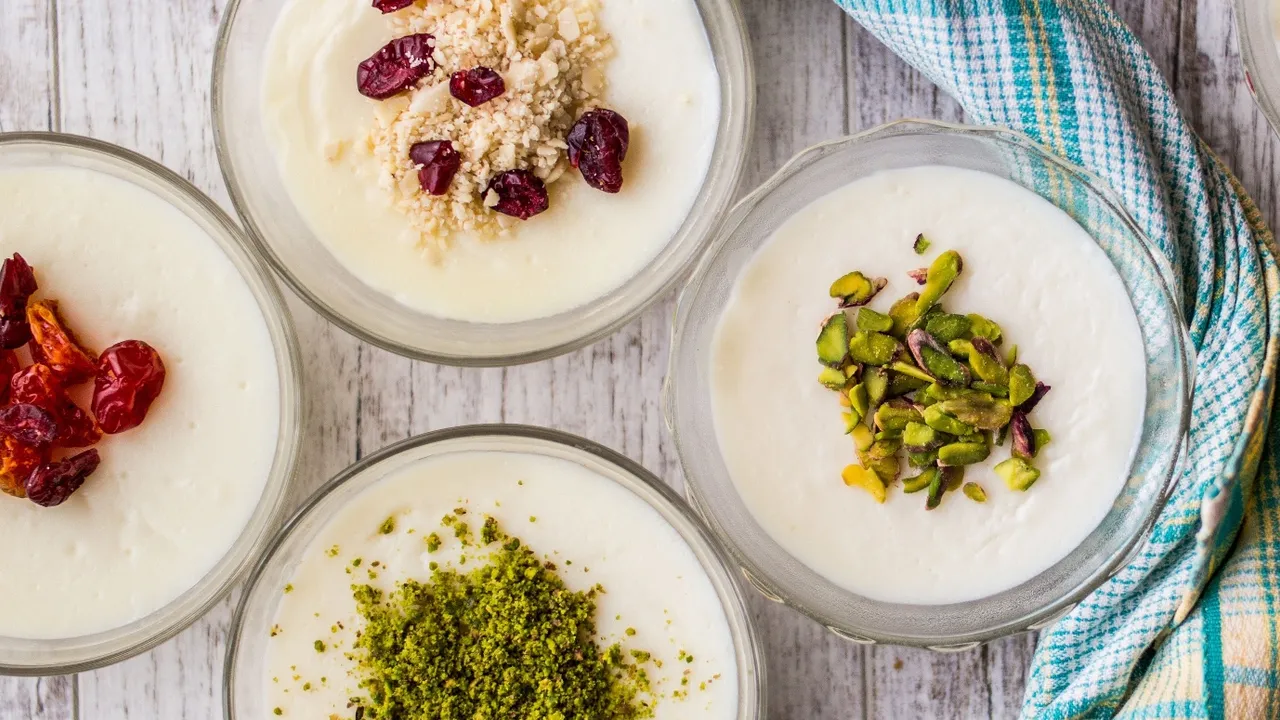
<point>433,542</point>
<point>306,686</point>
<point>319,646</point>
<point>489,532</point>
<point>278,711</point>
<point>388,526</point>
<point>288,588</point>
<point>493,639</point>
<point>333,551</point>
<point>356,562</point>
<point>631,632</point>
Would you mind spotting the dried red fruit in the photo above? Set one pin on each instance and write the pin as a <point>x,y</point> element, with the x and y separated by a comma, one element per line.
<point>28,424</point>
<point>51,484</point>
<point>9,366</point>
<point>439,161</point>
<point>16,463</point>
<point>53,344</point>
<point>38,385</point>
<point>397,66</point>
<point>390,6</point>
<point>598,144</point>
<point>520,194</point>
<point>130,377</point>
<point>76,428</point>
<point>476,86</point>
<point>17,284</point>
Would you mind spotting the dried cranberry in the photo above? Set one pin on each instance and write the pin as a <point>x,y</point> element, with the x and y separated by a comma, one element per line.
<point>598,144</point>
<point>476,86</point>
<point>130,376</point>
<point>520,194</point>
<point>17,283</point>
<point>28,424</point>
<point>390,6</point>
<point>38,385</point>
<point>51,484</point>
<point>397,66</point>
<point>14,332</point>
<point>439,161</point>
<point>9,366</point>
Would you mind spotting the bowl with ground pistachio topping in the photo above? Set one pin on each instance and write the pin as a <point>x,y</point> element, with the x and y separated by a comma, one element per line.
<point>494,572</point>
<point>482,183</point>
<point>930,384</point>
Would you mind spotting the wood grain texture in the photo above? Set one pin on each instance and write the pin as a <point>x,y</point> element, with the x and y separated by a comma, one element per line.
<point>28,101</point>
<point>136,72</point>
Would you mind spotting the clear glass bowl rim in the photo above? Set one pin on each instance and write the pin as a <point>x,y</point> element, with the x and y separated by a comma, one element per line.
<point>726,169</point>
<point>115,645</point>
<point>1034,618</point>
<point>741,624</point>
<point>1260,56</point>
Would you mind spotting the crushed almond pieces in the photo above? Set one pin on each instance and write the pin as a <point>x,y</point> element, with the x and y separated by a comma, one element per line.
<point>550,53</point>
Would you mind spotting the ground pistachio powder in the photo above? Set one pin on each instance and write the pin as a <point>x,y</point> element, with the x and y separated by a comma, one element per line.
<point>505,640</point>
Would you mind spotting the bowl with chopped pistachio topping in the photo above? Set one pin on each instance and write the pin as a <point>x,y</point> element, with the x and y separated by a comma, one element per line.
<point>494,571</point>
<point>930,384</point>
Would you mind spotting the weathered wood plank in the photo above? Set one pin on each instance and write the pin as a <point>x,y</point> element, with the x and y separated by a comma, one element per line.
<point>28,101</point>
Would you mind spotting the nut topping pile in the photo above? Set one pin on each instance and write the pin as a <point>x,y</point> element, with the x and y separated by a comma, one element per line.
<point>929,383</point>
<point>39,418</point>
<point>485,104</point>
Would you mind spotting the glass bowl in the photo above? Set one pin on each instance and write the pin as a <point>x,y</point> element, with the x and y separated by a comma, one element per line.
<point>1256,28</point>
<point>68,655</point>
<point>250,630</point>
<point>1146,277</point>
<point>285,238</point>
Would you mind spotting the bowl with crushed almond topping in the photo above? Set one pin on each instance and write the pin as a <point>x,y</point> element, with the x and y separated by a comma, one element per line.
<point>487,182</point>
<point>930,384</point>
<point>149,404</point>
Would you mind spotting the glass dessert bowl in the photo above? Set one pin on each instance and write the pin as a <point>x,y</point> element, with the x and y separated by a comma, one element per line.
<point>342,192</point>
<point>864,556</point>
<point>575,504</point>
<point>1259,36</point>
<point>164,522</point>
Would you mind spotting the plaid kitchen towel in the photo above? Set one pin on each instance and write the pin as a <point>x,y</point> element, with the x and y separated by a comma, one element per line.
<point>1191,627</point>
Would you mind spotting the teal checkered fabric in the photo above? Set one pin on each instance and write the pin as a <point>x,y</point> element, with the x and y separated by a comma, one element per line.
<point>1189,629</point>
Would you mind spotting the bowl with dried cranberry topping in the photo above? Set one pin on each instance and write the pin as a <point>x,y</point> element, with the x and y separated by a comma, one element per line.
<point>149,403</point>
<point>482,183</point>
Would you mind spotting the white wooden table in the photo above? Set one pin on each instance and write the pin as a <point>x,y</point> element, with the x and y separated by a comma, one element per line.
<point>136,73</point>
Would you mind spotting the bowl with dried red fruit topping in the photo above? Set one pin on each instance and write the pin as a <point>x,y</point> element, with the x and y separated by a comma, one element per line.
<point>149,403</point>
<point>482,183</point>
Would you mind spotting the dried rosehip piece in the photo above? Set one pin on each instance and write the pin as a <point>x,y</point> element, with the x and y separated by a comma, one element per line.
<point>390,6</point>
<point>53,344</point>
<point>51,484</point>
<point>16,463</point>
<point>28,424</point>
<point>130,377</point>
<point>397,66</point>
<point>598,144</point>
<point>476,86</point>
<point>520,194</point>
<point>439,161</point>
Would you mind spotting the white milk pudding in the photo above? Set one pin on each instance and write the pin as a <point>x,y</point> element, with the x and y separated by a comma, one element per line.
<point>346,158</point>
<point>1028,268</point>
<point>171,495</point>
<point>656,597</point>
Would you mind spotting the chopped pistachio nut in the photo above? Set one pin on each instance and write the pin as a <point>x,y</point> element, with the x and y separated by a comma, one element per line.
<point>928,382</point>
<point>833,340</point>
<point>921,245</point>
<point>1017,473</point>
<point>388,526</point>
<point>858,476</point>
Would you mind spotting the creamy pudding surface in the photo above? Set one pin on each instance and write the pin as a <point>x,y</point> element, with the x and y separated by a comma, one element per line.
<point>662,79</point>
<point>172,495</point>
<point>593,530</point>
<point>1028,267</point>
